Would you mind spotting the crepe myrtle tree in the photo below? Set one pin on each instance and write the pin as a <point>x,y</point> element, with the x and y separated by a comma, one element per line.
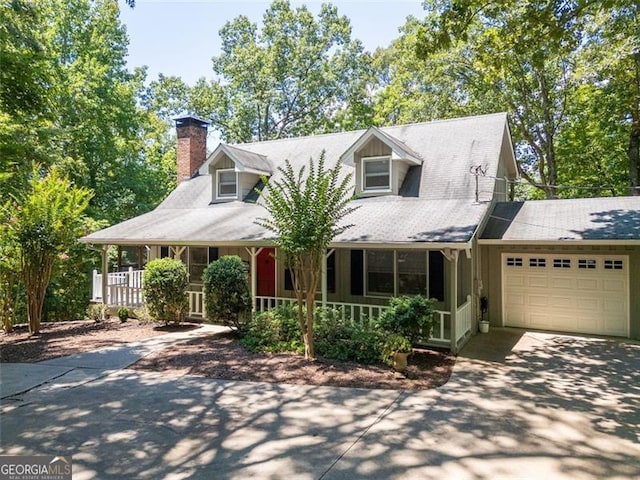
<point>44,221</point>
<point>305,212</point>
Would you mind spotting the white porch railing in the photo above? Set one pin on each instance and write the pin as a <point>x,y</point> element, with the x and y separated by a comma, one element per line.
<point>196,303</point>
<point>355,311</point>
<point>463,319</point>
<point>123,288</point>
<point>440,335</point>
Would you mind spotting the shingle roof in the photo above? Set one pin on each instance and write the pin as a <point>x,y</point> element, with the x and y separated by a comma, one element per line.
<point>611,218</point>
<point>381,220</point>
<point>246,160</point>
<point>438,206</point>
<point>448,148</point>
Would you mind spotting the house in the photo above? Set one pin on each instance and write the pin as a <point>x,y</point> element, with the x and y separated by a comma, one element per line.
<point>433,218</point>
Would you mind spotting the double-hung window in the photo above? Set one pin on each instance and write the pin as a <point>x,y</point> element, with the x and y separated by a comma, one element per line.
<point>376,174</point>
<point>227,183</point>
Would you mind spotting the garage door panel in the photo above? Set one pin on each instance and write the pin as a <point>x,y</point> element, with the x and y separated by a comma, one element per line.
<point>613,285</point>
<point>537,301</point>
<point>587,303</point>
<point>537,281</point>
<point>587,283</point>
<point>562,302</point>
<point>567,283</point>
<point>561,296</point>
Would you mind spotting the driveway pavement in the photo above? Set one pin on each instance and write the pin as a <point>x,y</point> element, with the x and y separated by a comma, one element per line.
<point>519,405</point>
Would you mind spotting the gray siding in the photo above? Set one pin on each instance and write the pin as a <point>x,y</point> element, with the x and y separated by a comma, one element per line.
<point>491,274</point>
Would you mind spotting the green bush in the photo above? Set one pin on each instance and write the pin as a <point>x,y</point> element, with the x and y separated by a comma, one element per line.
<point>123,314</point>
<point>226,292</point>
<point>411,317</point>
<point>395,343</point>
<point>165,289</point>
<point>346,340</point>
<point>96,312</point>
<point>275,330</point>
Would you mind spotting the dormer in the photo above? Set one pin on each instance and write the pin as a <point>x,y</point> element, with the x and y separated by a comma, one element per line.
<point>381,163</point>
<point>235,172</point>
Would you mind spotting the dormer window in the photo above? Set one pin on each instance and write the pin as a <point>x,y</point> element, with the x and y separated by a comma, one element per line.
<point>376,174</point>
<point>227,181</point>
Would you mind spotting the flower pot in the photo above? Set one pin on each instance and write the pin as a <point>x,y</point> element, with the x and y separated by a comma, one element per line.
<point>484,327</point>
<point>400,361</point>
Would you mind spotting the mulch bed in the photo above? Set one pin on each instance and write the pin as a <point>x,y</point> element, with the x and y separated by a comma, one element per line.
<point>68,338</point>
<point>222,356</point>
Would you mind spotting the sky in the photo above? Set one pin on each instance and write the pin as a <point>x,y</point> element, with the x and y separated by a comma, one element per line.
<point>179,37</point>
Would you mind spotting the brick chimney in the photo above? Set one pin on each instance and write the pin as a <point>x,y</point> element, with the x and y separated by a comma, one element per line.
<point>192,145</point>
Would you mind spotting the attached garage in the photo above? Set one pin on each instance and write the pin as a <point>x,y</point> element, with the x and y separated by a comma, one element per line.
<point>568,293</point>
<point>563,265</point>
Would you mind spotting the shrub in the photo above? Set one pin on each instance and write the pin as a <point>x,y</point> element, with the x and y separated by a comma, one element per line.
<point>343,339</point>
<point>411,317</point>
<point>276,330</point>
<point>226,292</point>
<point>96,312</point>
<point>165,289</point>
<point>123,314</point>
<point>142,314</point>
<point>395,343</point>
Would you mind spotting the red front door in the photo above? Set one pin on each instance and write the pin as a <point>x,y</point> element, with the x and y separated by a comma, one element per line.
<point>266,264</point>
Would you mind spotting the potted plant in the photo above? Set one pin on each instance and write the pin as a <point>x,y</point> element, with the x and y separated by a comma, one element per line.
<point>484,306</point>
<point>123,314</point>
<point>395,351</point>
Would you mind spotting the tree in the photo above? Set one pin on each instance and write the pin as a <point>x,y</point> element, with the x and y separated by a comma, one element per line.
<point>226,291</point>
<point>411,89</point>
<point>545,61</point>
<point>45,222</point>
<point>522,54</point>
<point>296,76</point>
<point>305,213</point>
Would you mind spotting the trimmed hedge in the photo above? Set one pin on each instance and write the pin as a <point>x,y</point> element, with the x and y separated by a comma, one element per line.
<point>165,283</point>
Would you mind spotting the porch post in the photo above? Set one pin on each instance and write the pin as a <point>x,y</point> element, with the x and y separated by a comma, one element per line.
<point>105,276</point>
<point>452,256</point>
<point>253,253</point>
<point>177,252</point>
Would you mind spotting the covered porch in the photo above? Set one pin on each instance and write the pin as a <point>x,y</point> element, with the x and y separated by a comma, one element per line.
<point>340,287</point>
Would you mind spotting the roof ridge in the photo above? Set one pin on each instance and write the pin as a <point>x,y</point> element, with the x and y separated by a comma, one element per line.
<point>360,131</point>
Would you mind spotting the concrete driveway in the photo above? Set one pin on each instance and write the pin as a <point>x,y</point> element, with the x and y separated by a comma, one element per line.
<point>519,405</point>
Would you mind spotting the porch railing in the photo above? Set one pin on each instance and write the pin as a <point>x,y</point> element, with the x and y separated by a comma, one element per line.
<point>196,303</point>
<point>440,335</point>
<point>123,288</point>
<point>463,319</point>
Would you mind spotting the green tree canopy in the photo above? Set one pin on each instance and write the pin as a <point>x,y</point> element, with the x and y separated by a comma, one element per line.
<point>297,75</point>
<point>43,223</point>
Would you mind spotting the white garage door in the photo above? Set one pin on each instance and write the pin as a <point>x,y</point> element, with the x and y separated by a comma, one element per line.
<point>569,293</point>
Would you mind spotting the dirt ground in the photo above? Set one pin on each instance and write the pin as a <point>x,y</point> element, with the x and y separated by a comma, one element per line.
<point>221,356</point>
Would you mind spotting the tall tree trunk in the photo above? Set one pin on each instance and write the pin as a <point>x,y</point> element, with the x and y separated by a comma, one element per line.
<point>633,154</point>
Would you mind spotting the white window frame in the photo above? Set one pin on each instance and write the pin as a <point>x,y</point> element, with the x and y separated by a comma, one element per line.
<point>218,194</point>
<point>363,162</point>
